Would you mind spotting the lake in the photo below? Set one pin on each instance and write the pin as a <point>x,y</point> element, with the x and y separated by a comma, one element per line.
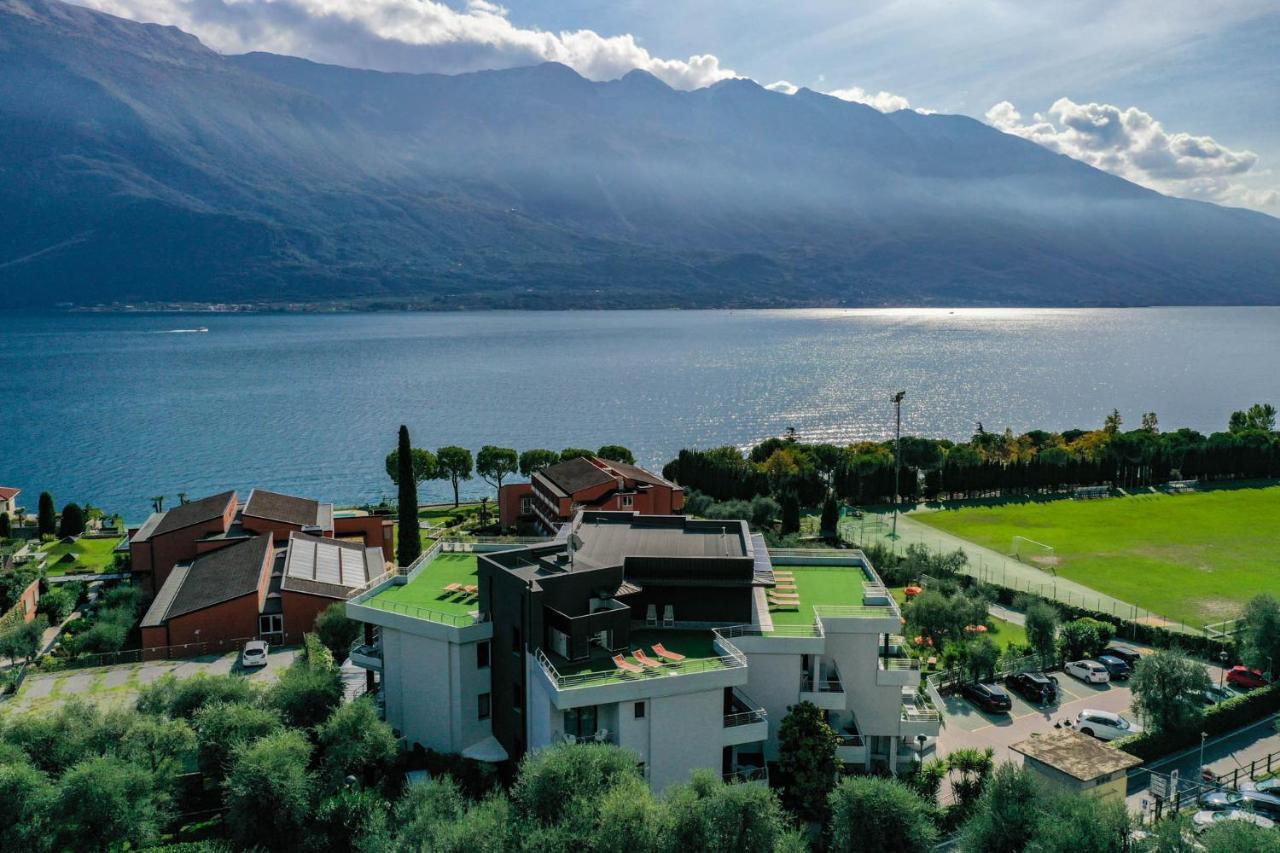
<point>113,409</point>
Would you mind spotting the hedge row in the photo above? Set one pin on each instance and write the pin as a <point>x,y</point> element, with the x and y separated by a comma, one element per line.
<point>1218,719</point>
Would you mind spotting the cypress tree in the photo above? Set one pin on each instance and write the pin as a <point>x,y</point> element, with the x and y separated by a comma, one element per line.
<point>410,542</point>
<point>46,519</point>
<point>5,527</point>
<point>72,523</point>
<point>830,518</point>
<point>790,513</point>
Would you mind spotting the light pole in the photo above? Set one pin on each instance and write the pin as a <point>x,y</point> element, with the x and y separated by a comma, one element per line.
<point>921,740</point>
<point>1223,657</point>
<point>897,458</point>
<point>1203,735</point>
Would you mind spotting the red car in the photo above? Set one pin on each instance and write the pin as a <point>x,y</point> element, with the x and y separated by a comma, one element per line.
<point>1245,678</point>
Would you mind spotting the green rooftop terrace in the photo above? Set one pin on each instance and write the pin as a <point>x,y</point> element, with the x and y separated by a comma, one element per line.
<point>426,596</point>
<point>840,586</point>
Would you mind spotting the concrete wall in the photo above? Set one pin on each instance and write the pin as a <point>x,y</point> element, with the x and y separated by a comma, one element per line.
<point>773,683</point>
<point>685,733</point>
<point>432,687</point>
<point>375,529</point>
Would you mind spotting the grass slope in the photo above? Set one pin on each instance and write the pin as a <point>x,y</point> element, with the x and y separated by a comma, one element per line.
<point>1195,558</point>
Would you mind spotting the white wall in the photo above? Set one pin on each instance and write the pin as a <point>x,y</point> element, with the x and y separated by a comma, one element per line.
<point>431,688</point>
<point>878,709</point>
<point>686,732</point>
<point>773,682</point>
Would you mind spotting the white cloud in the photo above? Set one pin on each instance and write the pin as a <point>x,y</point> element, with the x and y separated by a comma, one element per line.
<point>885,102</point>
<point>1133,144</point>
<point>786,87</point>
<point>409,35</point>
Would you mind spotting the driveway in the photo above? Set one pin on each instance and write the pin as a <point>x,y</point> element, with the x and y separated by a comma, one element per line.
<point>115,686</point>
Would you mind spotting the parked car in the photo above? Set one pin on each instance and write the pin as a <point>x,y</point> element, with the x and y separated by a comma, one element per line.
<point>1125,654</point>
<point>1267,804</point>
<point>1202,820</point>
<point>1118,669</point>
<point>1245,678</point>
<point>988,697</point>
<point>1213,694</point>
<point>254,654</point>
<point>1263,786</point>
<point>1105,725</point>
<point>1088,670</point>
<point>1034,686</point>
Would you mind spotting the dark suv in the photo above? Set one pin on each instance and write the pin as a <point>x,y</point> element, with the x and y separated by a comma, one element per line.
<point>988,697</point>
<point>1034,686</point>
<point>1119,669</point>
<point>1124,653</point>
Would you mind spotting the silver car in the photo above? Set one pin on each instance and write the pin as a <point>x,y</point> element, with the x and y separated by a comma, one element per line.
<point>1202,820</point>
<point>254,654</point>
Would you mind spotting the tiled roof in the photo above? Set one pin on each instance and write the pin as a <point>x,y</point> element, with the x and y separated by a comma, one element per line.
<point>272,506</point>
<point>210,579</point>
<point>195,512</point>
<point>574,475</point>
<point>6,493</point>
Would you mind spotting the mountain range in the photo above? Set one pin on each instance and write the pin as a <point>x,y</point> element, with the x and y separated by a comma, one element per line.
<point>138,166</point>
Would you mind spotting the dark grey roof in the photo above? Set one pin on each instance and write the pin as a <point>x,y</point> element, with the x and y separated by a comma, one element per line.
<point>210,579</point>
<point>640,475</point>
<point>195,512</point>
<point>574,475</point>
<point>272,506</point>
<point>608,538</point>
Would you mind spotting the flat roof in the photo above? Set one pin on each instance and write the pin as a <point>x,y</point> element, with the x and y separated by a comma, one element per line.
<point>425,595</point>
<point>608,538</point>
<point>1076,755</point>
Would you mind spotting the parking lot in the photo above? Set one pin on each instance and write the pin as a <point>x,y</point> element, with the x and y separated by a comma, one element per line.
<point>967,726</point>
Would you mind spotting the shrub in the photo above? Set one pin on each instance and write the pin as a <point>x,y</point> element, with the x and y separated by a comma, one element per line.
<point>57,604</point>
<point>1223,717</point>
<point>184,697</point>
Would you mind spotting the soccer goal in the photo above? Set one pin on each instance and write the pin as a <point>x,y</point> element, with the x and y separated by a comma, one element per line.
<point>1034,553</point>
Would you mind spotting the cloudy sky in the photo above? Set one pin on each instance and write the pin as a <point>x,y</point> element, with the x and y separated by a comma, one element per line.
<point>1179,95</point>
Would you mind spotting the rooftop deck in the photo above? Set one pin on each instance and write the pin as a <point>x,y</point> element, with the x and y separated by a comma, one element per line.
<point>698,647</point>
<point>823,587</point>
<point>425,597</point>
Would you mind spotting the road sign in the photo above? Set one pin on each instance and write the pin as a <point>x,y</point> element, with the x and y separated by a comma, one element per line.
<point>1160,786</point>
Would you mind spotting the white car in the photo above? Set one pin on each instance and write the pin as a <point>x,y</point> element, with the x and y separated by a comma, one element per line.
<point>254,654</point>
<point>1088,670</point>
<point>1105,725</point>
<point>1204,819</point>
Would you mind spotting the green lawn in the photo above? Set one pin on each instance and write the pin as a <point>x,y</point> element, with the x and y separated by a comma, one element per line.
<point>1195,558</point>
<point>819,586</point>
<point>92,555</point>
<point>426,591</point>
<point>697,647</point>
<point>439,515</point>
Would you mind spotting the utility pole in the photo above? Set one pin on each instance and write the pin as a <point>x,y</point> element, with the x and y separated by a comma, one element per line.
<point>897,459</point>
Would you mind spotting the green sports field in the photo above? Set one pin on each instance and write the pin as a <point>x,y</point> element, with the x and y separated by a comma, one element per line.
<point>1195,558</point>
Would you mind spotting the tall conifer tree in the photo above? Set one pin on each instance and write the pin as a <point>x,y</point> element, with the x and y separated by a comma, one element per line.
<point>410,542</point>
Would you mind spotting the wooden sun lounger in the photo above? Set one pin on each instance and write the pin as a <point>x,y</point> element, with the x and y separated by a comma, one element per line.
<point>662,652</point>
<point>645,660</point>
<point>785,586</point>
<point>453,587</point>
<point>784,605</point>
<point>778,574</point>
<point>471,589</point>
<point>626,666</point>
<point>786,596</point>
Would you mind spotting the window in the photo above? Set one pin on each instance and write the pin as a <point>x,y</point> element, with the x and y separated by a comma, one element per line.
<point>482,655</point>
<point>482,706</point>
<point>271,623</point>
<point>628,501</point>
<point>526,506</point>
<point>580,722</point>
<point>639,710</point>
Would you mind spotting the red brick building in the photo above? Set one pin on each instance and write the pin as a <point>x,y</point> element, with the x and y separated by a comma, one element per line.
<point>556,493</point>
<point>223,572</point>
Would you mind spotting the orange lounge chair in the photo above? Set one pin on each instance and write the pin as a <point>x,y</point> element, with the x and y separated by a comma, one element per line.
<point>662,652</point>
<point>645,660</point>
<point>626,666</point>
<point>471,590</point>
<point>452,588</point>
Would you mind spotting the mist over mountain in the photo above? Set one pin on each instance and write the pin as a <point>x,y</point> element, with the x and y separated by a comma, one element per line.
<point>137,165</point>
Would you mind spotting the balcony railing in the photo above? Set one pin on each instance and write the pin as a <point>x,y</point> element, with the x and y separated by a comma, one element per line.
<point>920,715</point>
<point>899,663</point>
<point>847,739</point>
<point>459,620</point>
<point>854,611</point>
<point>733,631</point>
<point>744,718</point>
<point>747,774</point>
<point>616,676</point>
<point>829,684</point>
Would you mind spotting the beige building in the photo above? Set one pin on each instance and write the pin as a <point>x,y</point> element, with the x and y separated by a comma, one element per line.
<point>1077,763</point>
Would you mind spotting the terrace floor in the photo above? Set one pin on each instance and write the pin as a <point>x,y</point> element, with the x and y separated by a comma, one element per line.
<point>427,589</point>
<point>697,647</point>
<point>818,585</point>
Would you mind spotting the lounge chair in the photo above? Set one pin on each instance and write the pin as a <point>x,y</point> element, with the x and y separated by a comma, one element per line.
<point>471,589</point>
<point>786,586</point>
<point>668,616</point>
<point>789,596</point>
<point>651,615</point>
<point>452,588</point>
<point>625,665</point>
<point>784,605</point>
<point>645,660</point>
<point>778,574</point>
<point>666,654</point>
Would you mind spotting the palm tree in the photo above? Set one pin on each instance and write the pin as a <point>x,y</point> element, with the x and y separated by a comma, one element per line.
<point>157,502</point>
<point>182,497</point>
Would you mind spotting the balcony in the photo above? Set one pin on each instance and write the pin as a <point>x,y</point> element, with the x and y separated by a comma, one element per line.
<point>745,721</point>
<point>919,717</point>
<point>367,656</point>
<point>851,748</point>
<point>898,671</point>
<point>746,774</point>
<point>826,691</point>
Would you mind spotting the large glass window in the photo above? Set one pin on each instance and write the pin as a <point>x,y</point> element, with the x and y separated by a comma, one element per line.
<point>271,623</point>
<point>482,655</point>
<point>580,722</point>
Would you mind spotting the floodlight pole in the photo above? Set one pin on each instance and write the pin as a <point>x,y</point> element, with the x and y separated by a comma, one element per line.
<point>897,458</point>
